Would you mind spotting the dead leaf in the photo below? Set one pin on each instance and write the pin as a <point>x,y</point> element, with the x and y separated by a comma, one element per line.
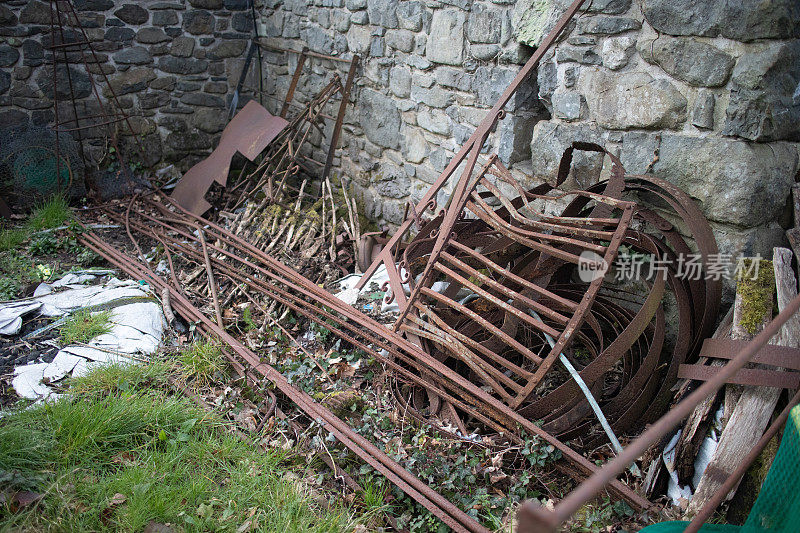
<point>155,527</point>
<point>117,499</point>
<point>19,500</point>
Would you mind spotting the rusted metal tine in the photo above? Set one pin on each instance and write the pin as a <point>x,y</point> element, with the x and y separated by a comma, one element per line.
<point>212,283</point>
<point>472,343</point>
<point>337,128</point>
<point>434,502</point>
<point>555,228</point>
<point>398,347</point>
<point>444,334</point>
<point>502,304</point>
<point>541,291</point>
<point>298,69</point>
<point>499,287</point>
<point>500,226</point>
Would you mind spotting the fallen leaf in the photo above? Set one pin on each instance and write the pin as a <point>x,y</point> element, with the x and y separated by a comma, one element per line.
<point>117,499</point>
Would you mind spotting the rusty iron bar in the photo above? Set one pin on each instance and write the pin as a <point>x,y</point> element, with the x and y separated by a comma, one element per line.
<point>496,413</point>
<point>337,128</point>
<point>434,502</point>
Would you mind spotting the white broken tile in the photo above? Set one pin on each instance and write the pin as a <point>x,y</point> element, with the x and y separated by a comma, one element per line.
<point>62,364</point>
<point>27,381</point>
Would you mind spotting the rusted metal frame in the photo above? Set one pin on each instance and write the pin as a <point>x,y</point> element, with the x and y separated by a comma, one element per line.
<point>497,411</point>
<point>79,26</point>
<point>624,491</point>
<point>578,460</point>
<point>337,128</point>
<point>311,122</point>
<point>386,254</point>
<point>592,486</point>
<point>746,376</point>
<point>434,502</point>
<point>585,304</point>
<point>286,143</point>
<point>556,300</point>
<point>439,324</point>
<point>733,480</point>
<point>298,69</point>
<point>502,227</point>
<point>555,228</point>
<point>451,214</point>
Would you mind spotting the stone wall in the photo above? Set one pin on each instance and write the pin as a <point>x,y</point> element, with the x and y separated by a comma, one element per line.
<point>703,94</point>
<point>172,64</point>
<point>431,70</point>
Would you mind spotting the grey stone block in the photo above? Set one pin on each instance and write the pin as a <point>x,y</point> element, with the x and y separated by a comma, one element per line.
<point>684,58</point>
<point>446,38</point>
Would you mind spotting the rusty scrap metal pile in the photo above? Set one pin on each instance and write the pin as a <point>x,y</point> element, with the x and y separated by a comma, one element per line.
<point>496,327</point>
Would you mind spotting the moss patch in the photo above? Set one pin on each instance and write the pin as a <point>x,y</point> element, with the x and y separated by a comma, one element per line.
<point>756,294</point>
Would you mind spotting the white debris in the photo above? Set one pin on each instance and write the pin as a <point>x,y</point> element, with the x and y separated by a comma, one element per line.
<point>11,315</point>
<point>62,365</point>
<point>28,384</point>
<point>49,303</point>
<point>135,328</point>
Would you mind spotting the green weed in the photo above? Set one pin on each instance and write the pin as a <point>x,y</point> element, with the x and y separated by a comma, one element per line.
<point>84,325</point>
<point>201,361</point>
<point>12,238</point>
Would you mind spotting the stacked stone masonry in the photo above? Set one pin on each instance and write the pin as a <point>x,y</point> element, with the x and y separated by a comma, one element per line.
<point>703,94</point>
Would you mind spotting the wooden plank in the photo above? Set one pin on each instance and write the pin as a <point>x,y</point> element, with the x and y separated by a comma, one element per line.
<point>754,408</point>
<point>694,430</point>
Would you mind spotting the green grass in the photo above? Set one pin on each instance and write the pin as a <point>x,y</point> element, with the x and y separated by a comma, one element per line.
<point>84,325</point>
<point>50,214</point>
<point>12,238</point>
<point>16,267</point>
<point>172,462</point>
<point>201,361</point>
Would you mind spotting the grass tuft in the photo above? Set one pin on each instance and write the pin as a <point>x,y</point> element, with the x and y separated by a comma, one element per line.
<point>50,214</point>
<point>120,377</point>
<point>84,325</point>
<point>201,361</point>
<point>12,238</point>
<point>171,461</point>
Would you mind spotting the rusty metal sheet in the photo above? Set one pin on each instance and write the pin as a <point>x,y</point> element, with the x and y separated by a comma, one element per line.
<point>249,133</point>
